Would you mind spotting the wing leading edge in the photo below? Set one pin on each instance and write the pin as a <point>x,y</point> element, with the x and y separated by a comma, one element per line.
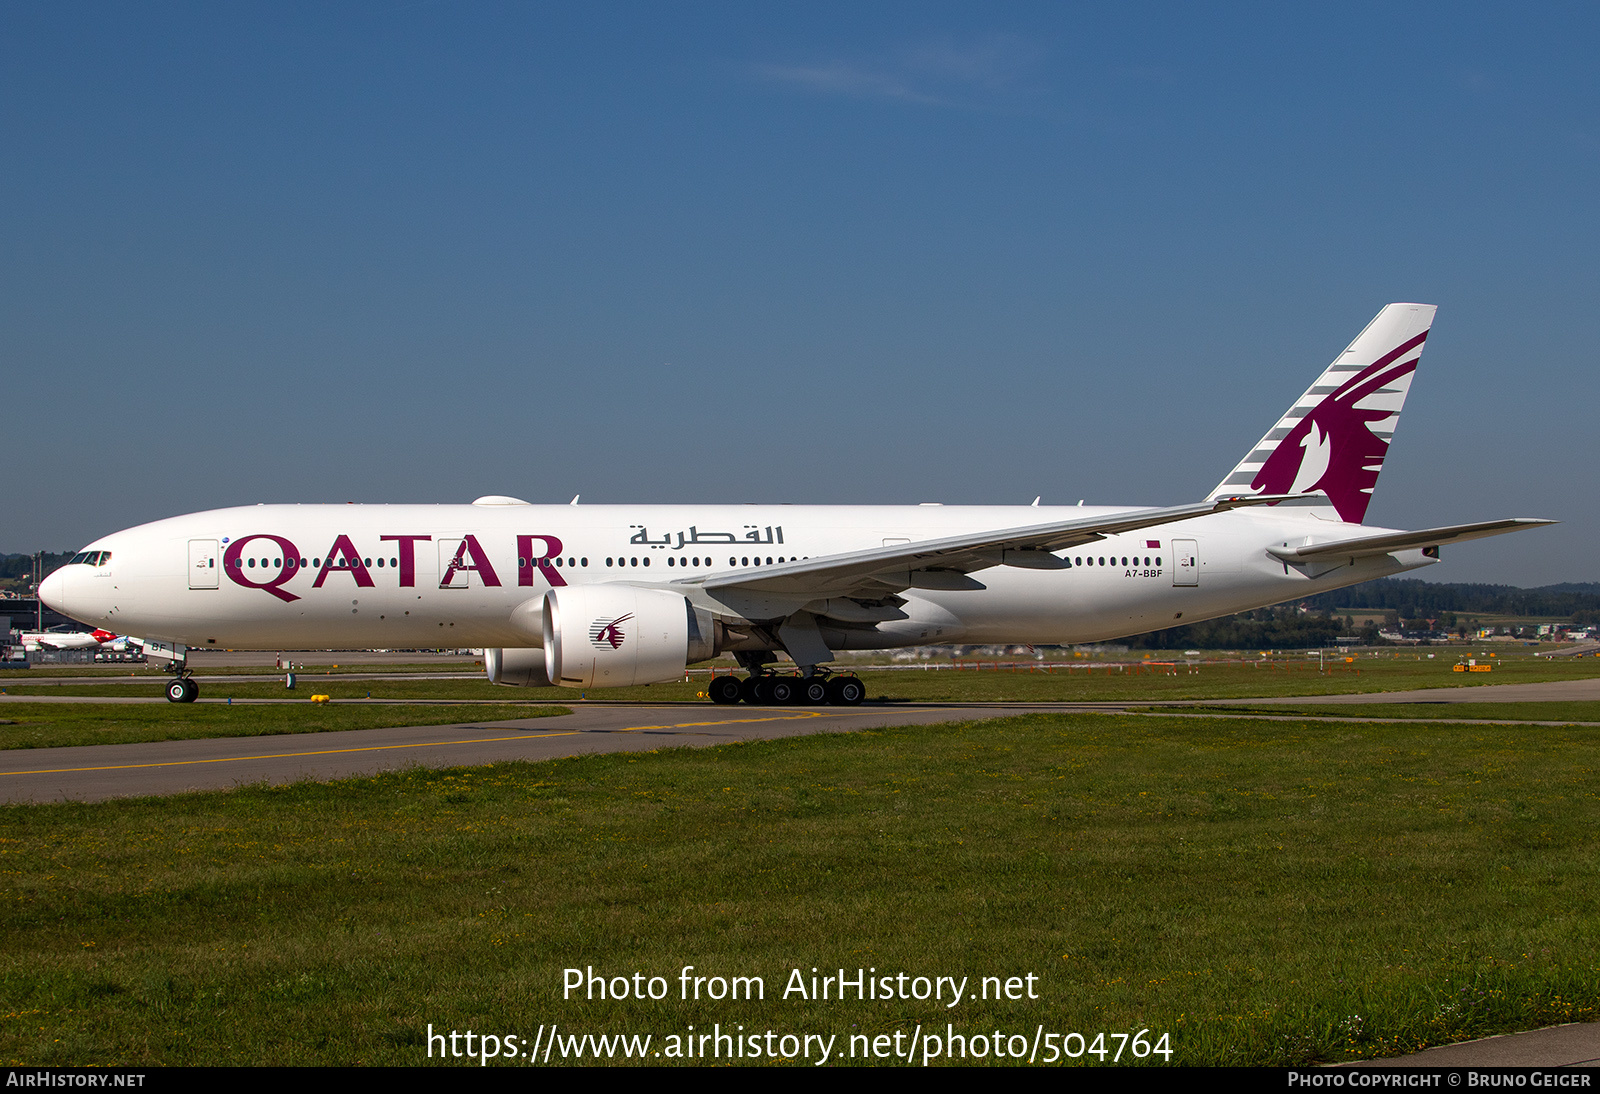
<point>944,563</point>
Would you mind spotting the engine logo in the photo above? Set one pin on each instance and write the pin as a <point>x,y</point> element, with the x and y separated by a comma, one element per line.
<point>608,634</point>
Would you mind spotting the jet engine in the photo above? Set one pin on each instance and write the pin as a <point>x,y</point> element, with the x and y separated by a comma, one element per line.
<point>615,636</point>
<point>523,668</point>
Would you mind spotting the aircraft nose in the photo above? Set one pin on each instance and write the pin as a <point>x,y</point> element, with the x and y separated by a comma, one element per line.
<point>53,591</point>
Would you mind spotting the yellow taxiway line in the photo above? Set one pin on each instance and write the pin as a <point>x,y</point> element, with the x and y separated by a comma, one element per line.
<point>427,744</point>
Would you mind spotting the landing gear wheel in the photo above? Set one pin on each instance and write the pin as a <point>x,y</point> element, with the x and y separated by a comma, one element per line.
<point>813,692</point>
<point>750,690</point>
<point>846,691</point>
<point>782,691</point>
<point>724,689</point>
<point>183,690</point>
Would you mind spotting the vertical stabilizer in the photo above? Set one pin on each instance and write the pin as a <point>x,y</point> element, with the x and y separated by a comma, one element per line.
<point>1333,440</point>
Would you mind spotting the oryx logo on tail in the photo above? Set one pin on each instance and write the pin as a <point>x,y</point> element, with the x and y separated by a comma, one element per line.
<point>1334,439</point>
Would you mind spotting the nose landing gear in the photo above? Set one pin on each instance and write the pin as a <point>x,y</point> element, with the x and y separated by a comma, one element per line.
<point>183,689</point>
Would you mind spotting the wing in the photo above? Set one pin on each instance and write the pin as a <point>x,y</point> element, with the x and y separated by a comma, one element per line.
<point>1400,541</point>
<point>945,563</point>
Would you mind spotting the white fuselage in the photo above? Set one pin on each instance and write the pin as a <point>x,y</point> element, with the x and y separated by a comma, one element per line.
<point>426,576</point>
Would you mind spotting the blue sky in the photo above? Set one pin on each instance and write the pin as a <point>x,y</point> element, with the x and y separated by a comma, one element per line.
<point>819,253</point>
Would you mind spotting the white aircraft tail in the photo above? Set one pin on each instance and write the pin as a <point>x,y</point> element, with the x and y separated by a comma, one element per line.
<point>1333,440</point>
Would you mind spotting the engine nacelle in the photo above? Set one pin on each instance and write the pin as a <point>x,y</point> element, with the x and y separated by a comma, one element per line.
<point>523,668</point>
<point>615,636</point>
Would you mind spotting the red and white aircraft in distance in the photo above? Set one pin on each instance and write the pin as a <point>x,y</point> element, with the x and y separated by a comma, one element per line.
<point>616,595</point>
<point>33,641</point>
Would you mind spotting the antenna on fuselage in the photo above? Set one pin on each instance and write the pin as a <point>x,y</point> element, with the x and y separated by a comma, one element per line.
<point>574,500</point>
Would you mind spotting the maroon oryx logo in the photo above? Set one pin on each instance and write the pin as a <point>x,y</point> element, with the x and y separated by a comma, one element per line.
<point>604,634</point>
<point>1333,448</point>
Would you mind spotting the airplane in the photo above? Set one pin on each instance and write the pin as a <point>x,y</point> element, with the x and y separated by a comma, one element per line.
<point>602,596</point>
<point>34,641</point>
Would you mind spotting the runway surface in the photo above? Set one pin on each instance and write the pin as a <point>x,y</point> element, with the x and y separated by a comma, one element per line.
<point>96,772</point>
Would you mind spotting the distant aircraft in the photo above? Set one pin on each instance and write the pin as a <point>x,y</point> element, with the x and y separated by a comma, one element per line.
<point>616,595</point>
<point>34,641</point>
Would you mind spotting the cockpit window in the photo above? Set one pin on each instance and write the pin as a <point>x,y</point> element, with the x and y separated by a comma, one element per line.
<point>91,558</point>
<point>81,556</point>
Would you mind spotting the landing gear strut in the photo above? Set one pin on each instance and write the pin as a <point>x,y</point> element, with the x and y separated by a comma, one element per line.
<point>182,689</point>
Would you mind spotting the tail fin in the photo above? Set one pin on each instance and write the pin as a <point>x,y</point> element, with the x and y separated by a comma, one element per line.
<point>1333,440</point>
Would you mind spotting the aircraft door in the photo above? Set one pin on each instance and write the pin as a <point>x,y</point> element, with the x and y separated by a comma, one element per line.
<point>1185,562</point>
<point>464,564</point>
<point>451,554</point>
<point>203,572</point>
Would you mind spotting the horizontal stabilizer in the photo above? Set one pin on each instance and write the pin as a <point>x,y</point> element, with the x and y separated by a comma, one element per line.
<point>1402,541</point>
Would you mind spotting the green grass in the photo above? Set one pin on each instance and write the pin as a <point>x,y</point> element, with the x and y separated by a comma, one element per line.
<point>52,725</point>
<point>198,667</point>
<point>1131,681</point>
<point>1265,892</point>
<point>1588,712</point>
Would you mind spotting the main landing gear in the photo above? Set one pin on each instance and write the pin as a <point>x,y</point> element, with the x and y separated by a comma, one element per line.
<point>767,689</point>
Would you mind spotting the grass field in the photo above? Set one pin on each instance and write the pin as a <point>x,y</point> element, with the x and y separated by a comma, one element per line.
<point>200,669</point>
<point>1574,712</point>
<point>1130,680</point>
<point>52,725</point>
<point>1262,892</point>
